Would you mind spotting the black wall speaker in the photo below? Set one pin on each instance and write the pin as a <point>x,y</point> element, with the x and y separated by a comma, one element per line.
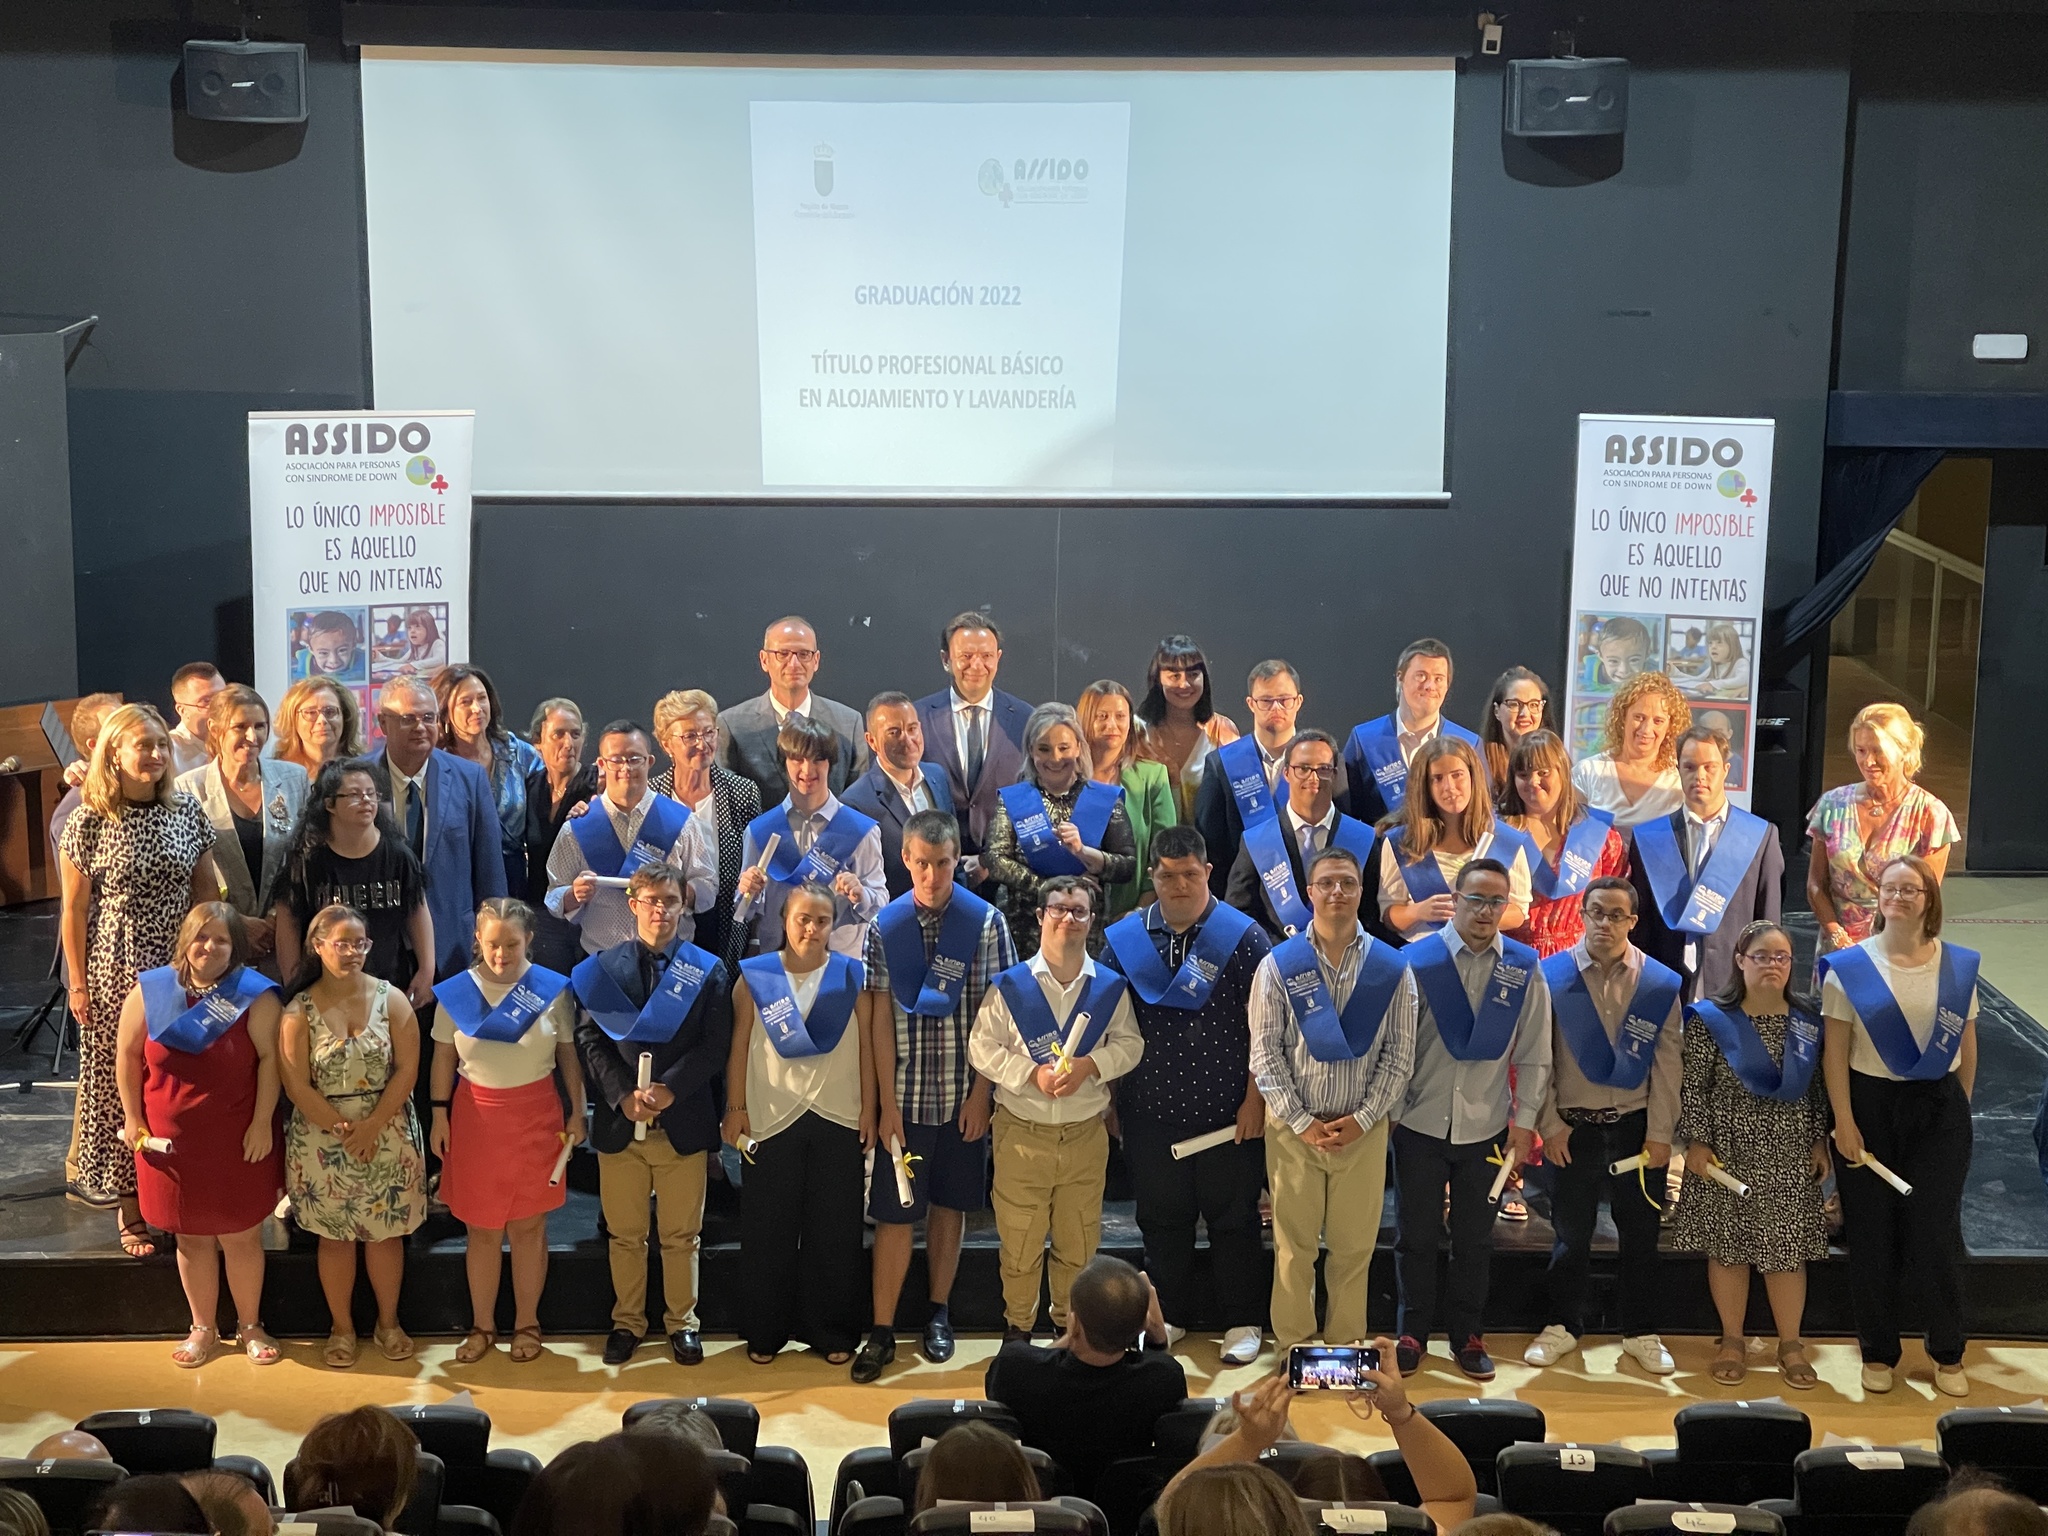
<point>246,82</point>
<point>1566,98</point>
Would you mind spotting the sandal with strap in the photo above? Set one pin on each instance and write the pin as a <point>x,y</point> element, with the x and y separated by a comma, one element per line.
<point>758,1359</point>
<point>394,1341</point>
<point>340,1350</point>
<point>257,1344</point>
<point>522,1353</point>
<point>475,1345</point>
<point>1731,1362</point>
<point>1794,1369</point>
<point>197,1349</point>
<point>136,1241</point>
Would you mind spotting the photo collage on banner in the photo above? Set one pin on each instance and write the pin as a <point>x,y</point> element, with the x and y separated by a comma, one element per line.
<point>1670,530</point>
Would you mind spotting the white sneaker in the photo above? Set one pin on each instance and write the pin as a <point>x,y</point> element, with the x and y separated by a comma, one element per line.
<point>1952,1379</point>
<point>1648,1351</point>
<point>1550,1346</point>
<point>1876,1378</point>
<point>1241,1346</point>
<point>1174,1335</point>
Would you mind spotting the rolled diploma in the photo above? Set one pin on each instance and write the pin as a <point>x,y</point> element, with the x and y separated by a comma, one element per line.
<point>1630,1164</point>
<point>646,1081</point>
<point>745,909</point>
<point>1725,1179</point>
<point>1500,1180</point>
<point>163,1144</point>
<point>1204,1142</point>
<point>747,1144</point>
<point>1074,1032</point>
<point>561,1162</point>
<point>611,882</point>
<point>903,1195</point>
<point>1886,1174</point>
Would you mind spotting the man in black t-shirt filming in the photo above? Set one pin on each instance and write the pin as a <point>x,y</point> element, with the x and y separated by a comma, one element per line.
<point>1092,1398</point>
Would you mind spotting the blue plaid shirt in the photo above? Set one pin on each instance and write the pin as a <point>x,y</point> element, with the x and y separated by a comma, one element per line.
<point>933,1074</point>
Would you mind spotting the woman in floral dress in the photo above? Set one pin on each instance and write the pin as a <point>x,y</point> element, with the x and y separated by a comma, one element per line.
<point>354,1168</point>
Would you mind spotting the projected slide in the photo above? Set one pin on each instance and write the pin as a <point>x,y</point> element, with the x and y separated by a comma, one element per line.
<point>938,286</point>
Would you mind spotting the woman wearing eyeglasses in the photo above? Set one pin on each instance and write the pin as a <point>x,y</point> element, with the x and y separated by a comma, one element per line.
<point>1519,705</point>
<point>686,728</point>
<point>318,722</point>
<point>1754,1107</point>
<point>1901,1065</point>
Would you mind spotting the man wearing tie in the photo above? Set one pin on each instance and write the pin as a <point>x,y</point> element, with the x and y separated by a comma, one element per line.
<point>899,784</point>
<point>973,730</point>
<point>1227,799</point>
<point>1705,872</point>
<point>746,732</point>
<point>1266,882</point>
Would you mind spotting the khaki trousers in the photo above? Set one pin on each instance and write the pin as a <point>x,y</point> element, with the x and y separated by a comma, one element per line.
<point>1048,1180</point>
<point>624,1182</point>
<point>1323,1199</point>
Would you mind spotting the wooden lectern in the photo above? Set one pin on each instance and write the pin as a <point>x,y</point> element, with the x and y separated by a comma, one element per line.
<point>28,797</point>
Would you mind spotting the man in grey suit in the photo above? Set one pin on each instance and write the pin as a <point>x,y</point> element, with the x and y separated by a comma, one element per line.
<point>900,784</point>
<point>973,730</point>
<point>746,732</point>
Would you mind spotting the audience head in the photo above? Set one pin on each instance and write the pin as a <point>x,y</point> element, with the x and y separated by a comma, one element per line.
<point>654,892</point>
<point>318,721</point>
<point>557,730</point>
<point>158,1503</point>
<point>1422,681</point>
<point>1178,678</point>
<point>1055,750</point>
<point>808,749</point>
<point>931,855</point>
<point>1446,793</point>
<point>623,1485</point>
<point>469,707</point>
<point>237,726</point>
<point>20,1515</point>
<point>230,1502</point>
<point>132,761</point>
<point>1273,695</point>
<point>1763,958</point>
<point>192,689</point>
<point>365,1459</point>
<point>790,656</point>
<point>972,649</point>
<point>1703,767</point>
<point>1107,724</point>
<point>1313,772</point>
<point>1482,887</point>
<point>1108,1304</point>
<point>1339,1478</point>
<point>69,1445</point>
<point>1909,893</point>
<point>212,941</point>
<point>1886,742</point>
<point>1238,1498</point>
<point>1539,780</point>
<point>976,1464</point>
<point>1645,718</point>
<point>1502,1525</point>
<point>681,1420</point>
<point>409,715</point>
<point>87,716</point>
<point>895,734</point>
<point>625,757</point>
<point>1978,1504</point>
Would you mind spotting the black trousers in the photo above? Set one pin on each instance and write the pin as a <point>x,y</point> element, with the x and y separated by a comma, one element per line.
<point>1576,1189</point>
<point>1423,1166</point>
<point>800,1239</point>
<point>1921,1131</point>
<point>1221,1187</point>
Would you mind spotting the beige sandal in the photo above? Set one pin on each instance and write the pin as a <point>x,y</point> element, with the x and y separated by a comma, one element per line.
<point>197,1349</point>
<point>1796,1373</point>
<point>257,1344</point>
<point>475,1345</point>
<point>521,1352</point>
<point>340,1351</point>
<point>1731,1362</point>
<point>395,1343</point>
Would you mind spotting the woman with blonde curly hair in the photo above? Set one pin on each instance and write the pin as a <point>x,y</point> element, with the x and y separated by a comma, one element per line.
<point>1635,779</point>
<point>318,721</point>
<point>1860,828</point>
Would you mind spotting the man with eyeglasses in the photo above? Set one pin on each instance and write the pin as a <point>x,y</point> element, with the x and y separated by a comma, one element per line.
<point>1253,784</point>
<point>816,839</point>
<point>1482,1068</point>
<point>1267,880</point>
<point>654,994</point>
<point>445,809</point>
<point>973,730</point>
<point>899,784</point>
<point>1333,1041</point>
<point>1052,1035</point>
<point>1705,872</point>
<point>1615,1071</point>
<point>625,828</point>
<point>1377,756</point>
<point>747,731</point>
<point>192,689</point>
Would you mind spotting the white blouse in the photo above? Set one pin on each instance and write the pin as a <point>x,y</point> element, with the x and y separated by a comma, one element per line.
<point>508,1063</point>
<point>1394,886</point>
<point>1915,987</point>
<point>782,1089</point>
<point>1598,779</point>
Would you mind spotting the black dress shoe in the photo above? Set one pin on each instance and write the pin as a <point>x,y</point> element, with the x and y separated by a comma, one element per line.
<point>618,1348</point>
<point>1016,1335</point>
<point>688,1346</point>
<point>938,1341</point>
<point>876,1351</point>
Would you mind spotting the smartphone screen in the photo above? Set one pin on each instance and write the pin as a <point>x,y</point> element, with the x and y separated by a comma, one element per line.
<point>1331,1367</point>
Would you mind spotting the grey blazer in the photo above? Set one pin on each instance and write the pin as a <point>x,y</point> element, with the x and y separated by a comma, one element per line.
<point>251,893</point>
<point>746,744</point>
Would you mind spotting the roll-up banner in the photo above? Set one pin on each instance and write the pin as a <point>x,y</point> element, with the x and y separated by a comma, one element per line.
<point>1672,522</point>
<point>359,534</point>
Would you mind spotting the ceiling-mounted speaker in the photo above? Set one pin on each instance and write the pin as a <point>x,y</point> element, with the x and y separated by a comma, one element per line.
<point>1566,98</point>
<point>246,82</point>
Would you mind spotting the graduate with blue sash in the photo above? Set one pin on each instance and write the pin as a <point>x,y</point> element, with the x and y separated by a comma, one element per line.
<point>931,989</point>
<point>655,1022</point>
<point>657,834</point>
<point>1424,876</point>
<point>1577,858</point>
<point>1469,1035</point>
<point>791,1032</point>
<point>1037,837</point>
<point>1244,771</point>
<point>1690,903</point>
<point>1046,1037</point>
<point>1330,1033</point>
<point>844,857</point>
<point>530,996</point>
<point>1610,1063</point>
<point>1189,987</point>
<point>1750,1059</point>
<point>595,846</point>
<point>832,851</point>
<point>182,1022</point>
<point>1884,1021</point>
<point>1274,851</point>
<point>1376,770</point>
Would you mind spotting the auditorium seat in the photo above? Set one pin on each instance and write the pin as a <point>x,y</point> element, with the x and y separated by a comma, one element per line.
<point>875,1515</point>
<point>1733,1452</point>
<point>1287,1457</point>
<point>868,1472</point>
<point>67,1492</point>
<point>325,1522</point>
<point>1366,1517</point>
<point>738,1421</point>
<point>1671,1518</point>
<point>1570,1487</point>
<point>2009,1443</point>
<point>1178,1434</point>
<point>477,1475</point>
<point>252,1469</point>
<point>1052,1482</point>
<point>779,1476</point>
<point>1480,1427</point>
<point>1070,1517</point>
<point>466,1520</point>
<point>1847,1491</point>
<point>911,1424</point>
<point>146,1440</point>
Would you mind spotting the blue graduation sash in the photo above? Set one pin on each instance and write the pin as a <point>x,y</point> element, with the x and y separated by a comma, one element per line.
<point>674,995</point>
<point>1245,772</point>
<point>1331,1035</point>
<point>1424,877</point>
<point>789,1032</point>
<point>933,990</point>
<point>1032,1014</point>
<point>1657,988</point>
<point>829,854</point>
<point>192,1027</point>
<point>529,998</point>
<point>1189,987</point>
<point>1583,842</point>
<point>1746,1055</point>
<point>1268,844</point>
<point>1885,1022</point>
<point>1686,905</point>
<point>652,844</point>
<point>1379,743</point>
<point>1036,839</point>
<point>1469,1038</point>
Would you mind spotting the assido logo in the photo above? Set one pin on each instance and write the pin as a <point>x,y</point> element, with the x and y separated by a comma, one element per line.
<point>345,437</point>
<point>1034,179</point>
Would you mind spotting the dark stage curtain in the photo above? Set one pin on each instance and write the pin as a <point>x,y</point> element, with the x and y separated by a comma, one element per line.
<point>1864,492</point>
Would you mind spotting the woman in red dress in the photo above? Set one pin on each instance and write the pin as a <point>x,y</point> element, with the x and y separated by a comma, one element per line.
<point>196,1064</point>
<point>1578,843</point>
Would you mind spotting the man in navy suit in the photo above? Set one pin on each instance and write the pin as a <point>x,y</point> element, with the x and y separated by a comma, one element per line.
<point>900,784</point>
<point>443,806</point>
<point>973,729</point>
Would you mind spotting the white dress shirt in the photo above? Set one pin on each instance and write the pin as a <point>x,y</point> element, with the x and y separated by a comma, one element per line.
<point>803,707</point>
<point>1324,827</point>
<point>605,919</point>
<point>998,1053</point>
<point>1700,838</point>
<point>960,719</point>
<point>402,790</point>
<point>915,795</point>
<point>1411,741</point>
<point>1468,1101</point>
<point>850,919</point>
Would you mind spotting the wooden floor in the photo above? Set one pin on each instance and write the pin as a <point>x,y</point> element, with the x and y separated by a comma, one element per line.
<point>568,1395</point>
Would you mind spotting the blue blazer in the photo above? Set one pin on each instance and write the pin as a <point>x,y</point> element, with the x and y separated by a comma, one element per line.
<point>464,857</point>
<point>874,796</point>
<point>975,803</point>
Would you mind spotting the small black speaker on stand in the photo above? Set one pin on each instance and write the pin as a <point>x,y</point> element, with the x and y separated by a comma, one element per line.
<point>1565,98</point>
<point>246,82</point>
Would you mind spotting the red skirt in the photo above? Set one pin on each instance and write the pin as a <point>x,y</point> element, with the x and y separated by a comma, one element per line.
<point>202,1104</point>
<point>502,1145</point>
